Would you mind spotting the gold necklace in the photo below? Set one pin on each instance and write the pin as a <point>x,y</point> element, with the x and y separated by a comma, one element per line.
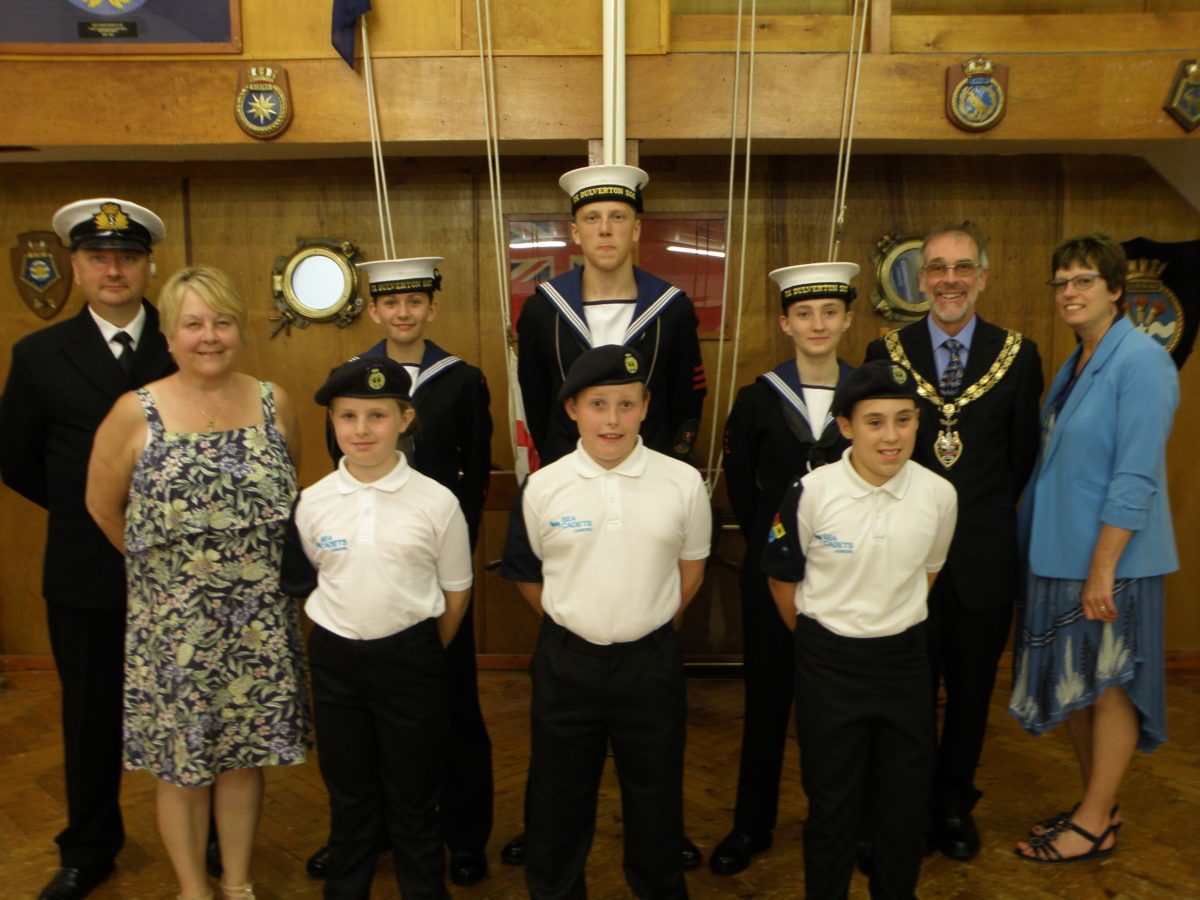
<point>210,418</point>
<point>948,445</point>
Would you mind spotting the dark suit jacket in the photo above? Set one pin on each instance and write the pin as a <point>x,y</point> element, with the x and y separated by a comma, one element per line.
<point>63,381</point>
<point>1000,435</point>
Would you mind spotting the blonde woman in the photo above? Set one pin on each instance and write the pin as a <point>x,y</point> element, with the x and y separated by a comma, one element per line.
<point>193,478</point>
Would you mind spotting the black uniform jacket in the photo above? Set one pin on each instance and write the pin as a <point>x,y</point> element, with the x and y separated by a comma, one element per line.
<point>452,443</point>
<point>553,332</point>
<point>769,443</point>
<point>1000,435</point>
<point>63,381</point>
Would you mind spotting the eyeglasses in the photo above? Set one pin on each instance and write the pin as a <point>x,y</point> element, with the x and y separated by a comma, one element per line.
<point>961,269</point>
<point>1079,282</point>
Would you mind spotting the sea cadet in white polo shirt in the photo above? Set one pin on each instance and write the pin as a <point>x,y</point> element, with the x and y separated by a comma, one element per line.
<point>609,544</point>
<point>393,571</point>
<point>850,559</point>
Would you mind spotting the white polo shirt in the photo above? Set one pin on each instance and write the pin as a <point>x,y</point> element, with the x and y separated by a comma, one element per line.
<point>610,540</point>
<point>384,551</point>
<point>868,549</point>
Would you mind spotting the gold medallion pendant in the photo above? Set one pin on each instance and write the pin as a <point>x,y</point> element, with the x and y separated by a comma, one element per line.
<point>948,446</point>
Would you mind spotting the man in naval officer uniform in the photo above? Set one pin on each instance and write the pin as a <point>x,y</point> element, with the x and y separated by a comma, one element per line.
<point>609,300</point>
<point>979,389</point>
<point>61,385</point>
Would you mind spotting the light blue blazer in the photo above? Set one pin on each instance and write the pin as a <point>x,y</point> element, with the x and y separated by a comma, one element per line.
<point>1105,461</point>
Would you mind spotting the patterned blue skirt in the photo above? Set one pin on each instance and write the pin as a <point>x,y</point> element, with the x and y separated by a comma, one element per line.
<point>1064,661</point>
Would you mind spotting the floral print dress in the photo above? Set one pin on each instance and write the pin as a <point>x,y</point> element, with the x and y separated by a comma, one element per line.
<point>214,664</point>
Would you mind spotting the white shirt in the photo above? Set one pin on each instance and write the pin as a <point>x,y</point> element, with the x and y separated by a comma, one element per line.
<point>868,549</point>
<point>108,330</point>
<point>384,551</point>
<point>610,540</point>
<point>608,320</point>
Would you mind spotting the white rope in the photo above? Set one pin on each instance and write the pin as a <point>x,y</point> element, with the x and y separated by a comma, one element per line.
<point>714,471</point>
<point>381,198</point>
<point>846,134</point>
<point>487,71</point>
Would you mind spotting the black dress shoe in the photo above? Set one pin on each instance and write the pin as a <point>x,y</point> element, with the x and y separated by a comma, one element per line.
<point>692,857</point>
<point>957,836</point>
<point>733,854</point>
<point>72,884</point>
<point>318,864</point>
<point>467,867</point>
<point>513,852</point>
<point>212,858</point>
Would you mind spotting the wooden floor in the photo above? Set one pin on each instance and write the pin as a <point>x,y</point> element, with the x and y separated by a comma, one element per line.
<point>1023,779</point>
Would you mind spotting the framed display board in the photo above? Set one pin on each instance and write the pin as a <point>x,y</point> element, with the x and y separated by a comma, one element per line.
<point>120,26</point>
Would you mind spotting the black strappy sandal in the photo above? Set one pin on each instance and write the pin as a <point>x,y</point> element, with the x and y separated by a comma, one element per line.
<point>1044,850</point>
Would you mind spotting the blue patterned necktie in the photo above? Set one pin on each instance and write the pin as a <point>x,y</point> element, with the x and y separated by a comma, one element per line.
<point>951,382</point>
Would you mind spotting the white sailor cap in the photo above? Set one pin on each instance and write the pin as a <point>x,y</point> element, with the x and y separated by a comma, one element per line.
<point>815,281</point>
<point>593,183</point>
<point>403,276</point>
<point>107,223</point>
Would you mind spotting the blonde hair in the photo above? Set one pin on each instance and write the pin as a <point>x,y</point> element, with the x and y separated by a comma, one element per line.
<point>211,285</point>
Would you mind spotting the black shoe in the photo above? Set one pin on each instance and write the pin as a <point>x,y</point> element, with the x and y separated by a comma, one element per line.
<point>467,867</point>
<point>513,852</point>
<point>733,854</point>
<point>957,836</point>
<point>318,864</point>
<point>692,857</point>
<point>212,858</point>
<point>72,884</point>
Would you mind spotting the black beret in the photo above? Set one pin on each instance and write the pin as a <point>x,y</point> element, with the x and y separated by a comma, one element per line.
<point>610,364</point>
<point>366,377</point>
<point>879,378</point>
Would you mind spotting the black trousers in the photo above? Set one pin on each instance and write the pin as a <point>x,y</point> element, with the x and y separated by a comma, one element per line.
<point>866,748</point>
<point>89,652</point>
<point>467,790</point>
<point>584,697</point>
<point>380,710</point>
<point>964,651</point>
<point>769,667</point>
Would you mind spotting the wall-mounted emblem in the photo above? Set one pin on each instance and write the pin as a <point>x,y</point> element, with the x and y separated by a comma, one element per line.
<point>1183,101</point>
<point>41,268</point>
<point>1162,292</point>
<point>976,94</point>
<point>264,107</point>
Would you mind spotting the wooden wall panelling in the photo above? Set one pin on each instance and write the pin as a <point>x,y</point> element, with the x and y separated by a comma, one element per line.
<point>535,27</point>
<point>556,99</point>
<point>395,28</point>
<point>972,34</point>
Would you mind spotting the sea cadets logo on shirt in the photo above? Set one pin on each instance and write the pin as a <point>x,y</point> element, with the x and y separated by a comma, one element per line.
<point>332,544</point>
<point>572,523</point>
<point>831,541</point>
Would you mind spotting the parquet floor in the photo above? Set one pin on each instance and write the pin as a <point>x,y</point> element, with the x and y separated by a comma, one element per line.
<point>1023,779</point>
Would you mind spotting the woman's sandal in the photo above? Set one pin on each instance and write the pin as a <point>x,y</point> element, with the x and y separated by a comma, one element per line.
<point>1055,824</point>
<point>237,891</point>
<point>1044,850</point>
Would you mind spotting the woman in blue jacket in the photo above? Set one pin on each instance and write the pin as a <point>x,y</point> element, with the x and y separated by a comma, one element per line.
<point>1097,527</point>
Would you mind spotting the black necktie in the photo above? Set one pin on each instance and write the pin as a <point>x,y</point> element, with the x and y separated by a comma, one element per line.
<point>126,356</point>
